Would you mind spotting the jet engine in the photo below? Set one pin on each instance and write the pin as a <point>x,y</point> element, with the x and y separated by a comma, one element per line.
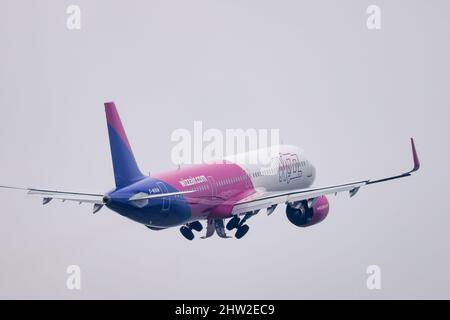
<point>306,213</point>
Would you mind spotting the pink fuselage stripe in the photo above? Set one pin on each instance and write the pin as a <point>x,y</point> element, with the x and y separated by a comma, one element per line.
<point>225,184</point>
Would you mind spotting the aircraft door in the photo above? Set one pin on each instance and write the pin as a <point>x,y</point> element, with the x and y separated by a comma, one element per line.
<point>213,187</point>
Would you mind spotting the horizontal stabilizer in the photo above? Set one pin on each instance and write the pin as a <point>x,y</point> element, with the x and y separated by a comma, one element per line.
<point>144,196</point>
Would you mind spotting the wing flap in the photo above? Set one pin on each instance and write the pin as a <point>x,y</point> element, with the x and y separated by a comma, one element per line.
<point>68,197</point>
<point>267,200</point>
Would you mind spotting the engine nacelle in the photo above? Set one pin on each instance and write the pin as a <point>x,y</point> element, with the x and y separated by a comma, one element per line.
<point>302,215</point>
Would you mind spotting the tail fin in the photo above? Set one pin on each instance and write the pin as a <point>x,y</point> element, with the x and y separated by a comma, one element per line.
<point>126,170</point>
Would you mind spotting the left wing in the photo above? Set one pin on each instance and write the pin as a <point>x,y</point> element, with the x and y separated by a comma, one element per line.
<point>98,200</point>
<point>48,195</point>
<point>267,200</point>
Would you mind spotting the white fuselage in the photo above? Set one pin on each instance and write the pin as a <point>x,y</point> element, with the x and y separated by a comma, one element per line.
<point>277,168</point>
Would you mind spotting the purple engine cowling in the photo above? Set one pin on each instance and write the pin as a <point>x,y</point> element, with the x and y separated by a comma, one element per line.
<point>300,215</point>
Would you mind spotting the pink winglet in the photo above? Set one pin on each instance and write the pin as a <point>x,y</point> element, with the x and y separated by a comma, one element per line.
<point>415,157</point>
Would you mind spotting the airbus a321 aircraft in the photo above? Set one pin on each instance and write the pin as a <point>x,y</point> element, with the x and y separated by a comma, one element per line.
<point>230,189</point>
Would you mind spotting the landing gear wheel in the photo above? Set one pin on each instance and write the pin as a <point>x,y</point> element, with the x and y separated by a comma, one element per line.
<point>197,226</point>
<point>241,231</point>
<point>187,233</point>
<point>233,223</point>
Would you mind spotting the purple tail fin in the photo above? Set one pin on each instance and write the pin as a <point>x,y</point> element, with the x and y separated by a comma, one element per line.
<point>126,170</point>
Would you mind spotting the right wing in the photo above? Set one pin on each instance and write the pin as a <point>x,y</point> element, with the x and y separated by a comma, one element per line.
<point>266,200</point>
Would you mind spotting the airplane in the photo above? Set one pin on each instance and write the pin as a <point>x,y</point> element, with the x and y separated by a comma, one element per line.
<point>231,190</point>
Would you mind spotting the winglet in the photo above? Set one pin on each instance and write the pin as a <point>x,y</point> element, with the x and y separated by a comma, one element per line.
<point>415,157</point>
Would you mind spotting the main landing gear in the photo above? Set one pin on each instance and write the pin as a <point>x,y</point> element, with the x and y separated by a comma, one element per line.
<point>217,226</point>
<point>239,224</point>
<point>186,230</point>
<point>241,231</point>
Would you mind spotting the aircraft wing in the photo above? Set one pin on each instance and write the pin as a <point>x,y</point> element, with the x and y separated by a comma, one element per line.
<point>92,198</point>
<point>266,200</point>
<point>49,195</point>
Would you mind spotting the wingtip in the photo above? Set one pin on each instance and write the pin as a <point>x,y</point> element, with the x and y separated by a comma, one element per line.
<point>415,157</point>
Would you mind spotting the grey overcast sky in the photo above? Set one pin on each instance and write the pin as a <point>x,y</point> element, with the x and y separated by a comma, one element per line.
<point>349,96</point>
